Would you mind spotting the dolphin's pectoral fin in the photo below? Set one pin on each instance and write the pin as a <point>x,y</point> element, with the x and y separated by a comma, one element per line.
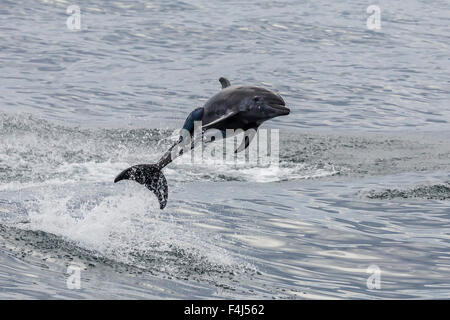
<point>248,137</point>
<point>222,118</point>
<point>224,82</point>
<point>150,176</point>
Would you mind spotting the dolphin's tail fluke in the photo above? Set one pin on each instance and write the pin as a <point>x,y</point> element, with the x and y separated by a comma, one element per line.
<point>149,175</point>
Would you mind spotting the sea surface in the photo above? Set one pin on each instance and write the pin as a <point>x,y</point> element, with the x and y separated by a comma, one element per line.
<point>358,206</point>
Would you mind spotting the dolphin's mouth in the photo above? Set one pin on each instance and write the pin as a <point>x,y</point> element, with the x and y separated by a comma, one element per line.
<point>280,108</point>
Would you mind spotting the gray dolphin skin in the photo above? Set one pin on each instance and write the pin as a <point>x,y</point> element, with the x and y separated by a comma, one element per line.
<point>234,107</point>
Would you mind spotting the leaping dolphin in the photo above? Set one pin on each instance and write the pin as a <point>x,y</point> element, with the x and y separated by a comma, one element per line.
<point>235,107</point>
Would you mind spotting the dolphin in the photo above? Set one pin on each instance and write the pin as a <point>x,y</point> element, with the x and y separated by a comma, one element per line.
<point>234,107</point>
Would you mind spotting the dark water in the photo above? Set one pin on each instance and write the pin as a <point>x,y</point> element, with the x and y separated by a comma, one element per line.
<point>364,165</point>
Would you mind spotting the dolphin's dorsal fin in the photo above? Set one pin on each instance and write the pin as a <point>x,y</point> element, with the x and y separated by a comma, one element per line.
<point>224,82</point>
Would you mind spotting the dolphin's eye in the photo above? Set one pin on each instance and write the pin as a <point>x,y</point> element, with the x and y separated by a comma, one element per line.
<point>257,102</point>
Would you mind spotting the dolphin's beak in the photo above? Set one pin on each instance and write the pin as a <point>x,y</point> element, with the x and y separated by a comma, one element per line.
<point>280,109</point>
<point>277,105</point>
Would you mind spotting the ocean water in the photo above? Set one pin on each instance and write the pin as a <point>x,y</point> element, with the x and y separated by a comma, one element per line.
<point>363,181</point>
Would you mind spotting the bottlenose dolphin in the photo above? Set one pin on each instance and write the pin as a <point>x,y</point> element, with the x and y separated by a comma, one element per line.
<point>234,107</point>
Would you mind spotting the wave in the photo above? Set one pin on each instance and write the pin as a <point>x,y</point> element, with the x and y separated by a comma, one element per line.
<point>431,192</point>
<point>38,151</point>
<point>90,225</point>
<point>57,197</point>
